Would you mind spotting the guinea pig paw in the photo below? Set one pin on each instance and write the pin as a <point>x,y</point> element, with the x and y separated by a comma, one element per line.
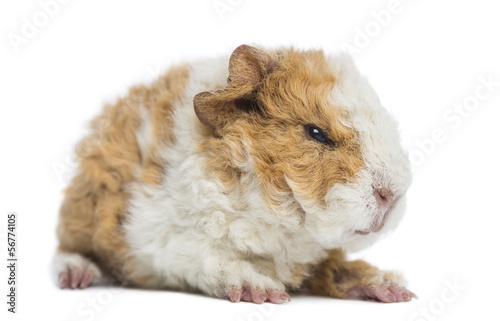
<point>76,277</point>
<point>384,294</point>
<point>259,296</point>
<point>75,271</point>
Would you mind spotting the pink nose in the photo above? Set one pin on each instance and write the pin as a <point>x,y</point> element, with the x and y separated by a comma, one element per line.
<point>385,201</point>
<point>384,198</point>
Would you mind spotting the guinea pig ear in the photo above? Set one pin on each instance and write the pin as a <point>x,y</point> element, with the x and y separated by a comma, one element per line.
<point>247,68</point>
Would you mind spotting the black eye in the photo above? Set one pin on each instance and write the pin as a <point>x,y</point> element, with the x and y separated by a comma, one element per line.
<point>316,133</point>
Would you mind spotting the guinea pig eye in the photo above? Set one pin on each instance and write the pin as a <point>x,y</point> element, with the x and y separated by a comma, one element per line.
<point>316,133</point>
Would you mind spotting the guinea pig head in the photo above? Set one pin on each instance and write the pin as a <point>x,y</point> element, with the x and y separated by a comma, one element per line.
<point>309,134</point>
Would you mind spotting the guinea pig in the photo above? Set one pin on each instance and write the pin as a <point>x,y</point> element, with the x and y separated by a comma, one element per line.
<point>246,178</point>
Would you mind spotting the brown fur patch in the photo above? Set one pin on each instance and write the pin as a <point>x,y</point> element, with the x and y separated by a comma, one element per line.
<point>296,93</point>
<point>300,273</point>
<point>335,276</point>
<point>247,67</point>
<point>110,157</point>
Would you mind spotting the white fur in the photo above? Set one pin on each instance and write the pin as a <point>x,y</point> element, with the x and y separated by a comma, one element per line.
<point>63,262</point>
<point>144,132</point>
<point>386,165</point>
<point>190,232</point>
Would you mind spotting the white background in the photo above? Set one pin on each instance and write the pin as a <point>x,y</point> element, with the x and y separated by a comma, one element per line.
<point>423,59</point>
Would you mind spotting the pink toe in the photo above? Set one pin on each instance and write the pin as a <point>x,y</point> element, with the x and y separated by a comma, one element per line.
<point>76,276</point>
<point>63,280</point>
<point>246,295</point>
<point>274,296</point>
<point>258,296</point>
<point>285,297</point>
<point>355,293</point>
<point>277,297</point>
<point>399,294</point>
<point>88,276</point>
<point>384,295</point>
<point>402,294</point>
<point>235,295</point>
<point>390,297</point>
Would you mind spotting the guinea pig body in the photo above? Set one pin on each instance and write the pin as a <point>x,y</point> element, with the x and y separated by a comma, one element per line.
<point>244,184</point>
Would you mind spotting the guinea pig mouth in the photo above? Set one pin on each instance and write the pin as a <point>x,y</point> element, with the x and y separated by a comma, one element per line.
<point>377,224</point>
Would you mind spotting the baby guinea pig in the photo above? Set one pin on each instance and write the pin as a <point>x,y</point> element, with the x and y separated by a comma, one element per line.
<point>245,185</point>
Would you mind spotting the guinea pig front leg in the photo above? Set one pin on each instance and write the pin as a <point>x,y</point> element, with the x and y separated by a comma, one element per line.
<point>340,278</point>
<point>240,281</point>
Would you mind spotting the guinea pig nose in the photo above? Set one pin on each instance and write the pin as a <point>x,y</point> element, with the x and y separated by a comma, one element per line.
<point>383,197</point>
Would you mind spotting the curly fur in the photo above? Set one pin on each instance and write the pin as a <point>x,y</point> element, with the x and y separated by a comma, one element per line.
<point>225,190</point>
